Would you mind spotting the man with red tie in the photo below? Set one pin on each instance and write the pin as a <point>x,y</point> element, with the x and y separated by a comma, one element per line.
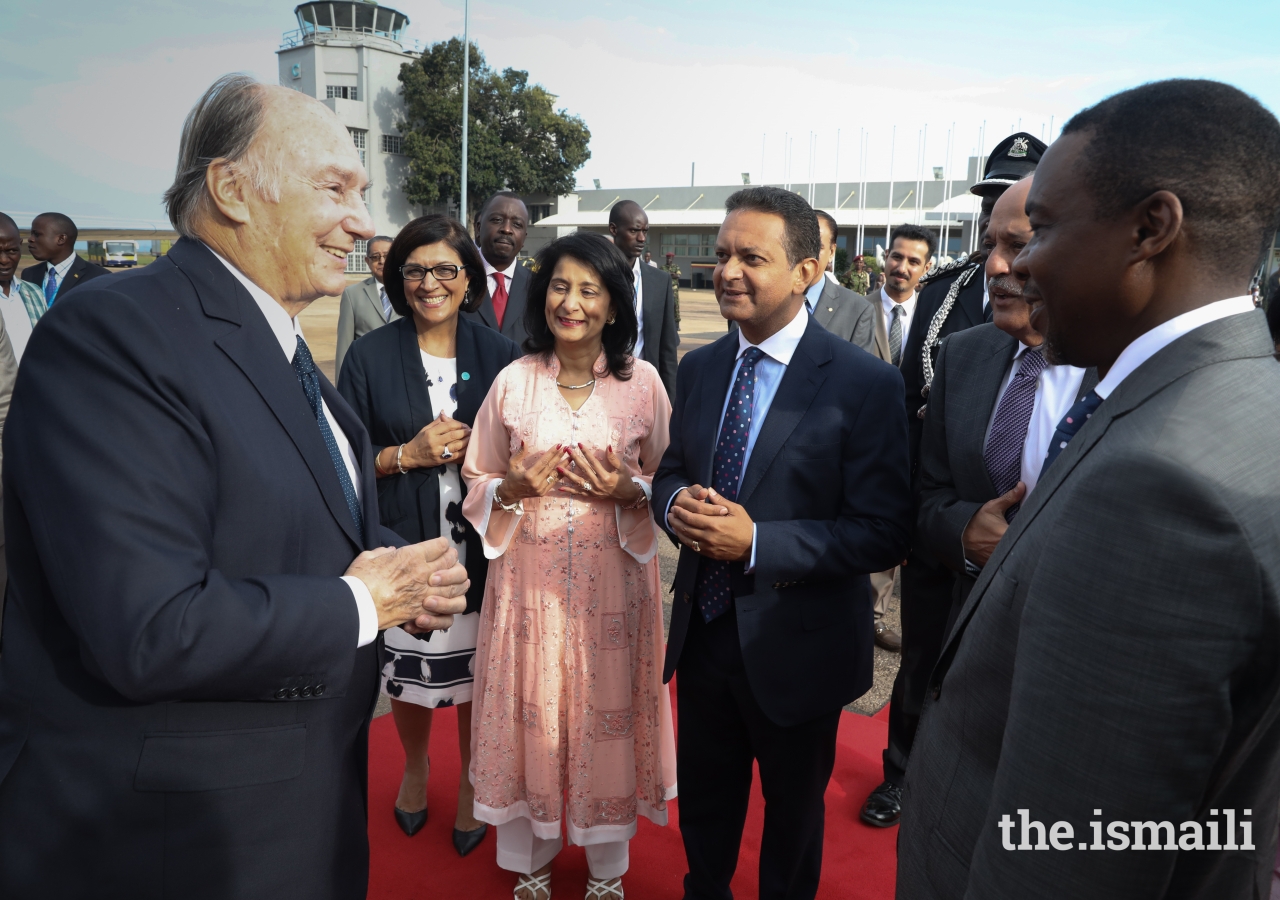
<point>501,229</point>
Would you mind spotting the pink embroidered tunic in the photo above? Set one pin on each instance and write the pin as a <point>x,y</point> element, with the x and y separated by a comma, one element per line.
<point>571,720</point>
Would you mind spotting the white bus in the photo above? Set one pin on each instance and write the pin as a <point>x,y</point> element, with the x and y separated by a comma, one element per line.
<point>120,253</point>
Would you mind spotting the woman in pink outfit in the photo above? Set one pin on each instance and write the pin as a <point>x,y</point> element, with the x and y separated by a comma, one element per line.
<point>571,721</point>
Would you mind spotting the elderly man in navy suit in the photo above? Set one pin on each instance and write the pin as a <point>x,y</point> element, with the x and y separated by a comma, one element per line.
<point>198,577</point>
<point>786,482</point>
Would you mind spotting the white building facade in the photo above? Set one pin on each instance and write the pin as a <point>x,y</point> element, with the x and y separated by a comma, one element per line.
<point>348,56</point>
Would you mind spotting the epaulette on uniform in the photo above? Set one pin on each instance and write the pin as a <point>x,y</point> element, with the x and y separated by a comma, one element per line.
<point>953,268</point>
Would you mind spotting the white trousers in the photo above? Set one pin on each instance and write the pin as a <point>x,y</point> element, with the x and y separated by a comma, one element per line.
<point>519,850</point>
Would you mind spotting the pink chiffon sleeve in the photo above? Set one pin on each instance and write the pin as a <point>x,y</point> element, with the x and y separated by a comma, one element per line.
<point>637,532</point>
<point>488,453</point>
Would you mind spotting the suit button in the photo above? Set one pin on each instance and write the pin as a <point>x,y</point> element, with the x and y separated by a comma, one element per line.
<point>281,694</point>
<point>319,690</point>
<point>293,693</point>
<point>936,691</point>
<point>686,596</point>
<point>306,691</point>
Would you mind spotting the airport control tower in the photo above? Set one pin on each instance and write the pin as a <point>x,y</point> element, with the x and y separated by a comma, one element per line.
<point>348,55</point>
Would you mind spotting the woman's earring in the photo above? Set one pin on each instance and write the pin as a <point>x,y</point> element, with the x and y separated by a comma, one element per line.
<point>613,317</point>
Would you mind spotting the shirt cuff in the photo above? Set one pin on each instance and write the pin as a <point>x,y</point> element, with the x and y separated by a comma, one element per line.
<point>751,563</point>
<point>666,514</point>
<point>646,489</point>
<point>364,606</point>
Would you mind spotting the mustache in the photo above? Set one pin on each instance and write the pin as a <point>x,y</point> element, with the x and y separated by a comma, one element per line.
<point>1006,285</point>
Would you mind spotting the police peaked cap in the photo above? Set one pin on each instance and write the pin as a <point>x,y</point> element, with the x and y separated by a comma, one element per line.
<point>1012,159</point>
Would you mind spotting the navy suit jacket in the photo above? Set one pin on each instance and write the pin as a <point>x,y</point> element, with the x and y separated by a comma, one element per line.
<point>385,383</point>
<point>183,709</point>
<point>827,486</point>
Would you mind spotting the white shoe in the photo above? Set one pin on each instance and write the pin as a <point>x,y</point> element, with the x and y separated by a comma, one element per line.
<point>604,890</point>
<point>538,886</point>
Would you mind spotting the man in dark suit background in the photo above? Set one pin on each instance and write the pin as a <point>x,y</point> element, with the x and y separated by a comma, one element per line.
<point>1118,660</point>
<point>659,338</point>
<point>844,313</point>
<point>994,405</point>
<point>786,483</point>
<point>53,241</point>
<point>191,632</point>
<point>501,227</point>
<point>365,305</point>
<point>952,303</point>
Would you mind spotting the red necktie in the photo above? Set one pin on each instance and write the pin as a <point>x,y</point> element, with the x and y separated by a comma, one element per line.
<point>499,297</point>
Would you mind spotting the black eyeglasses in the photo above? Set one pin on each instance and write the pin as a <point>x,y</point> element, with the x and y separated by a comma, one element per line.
<point>442,272</point>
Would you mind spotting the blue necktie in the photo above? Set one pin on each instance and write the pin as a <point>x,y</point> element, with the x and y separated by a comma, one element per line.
<point>305,366</point>
<point>714,592</point>
<point>1072,422</point>
<point>51,286</point>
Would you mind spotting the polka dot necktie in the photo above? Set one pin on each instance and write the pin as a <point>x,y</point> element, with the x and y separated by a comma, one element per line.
<point>714,592</point>
<point>305,366</point>
<point>1072,422</point>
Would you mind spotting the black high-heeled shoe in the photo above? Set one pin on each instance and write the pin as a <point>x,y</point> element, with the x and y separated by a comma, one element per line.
<point>411,822</point>
<point>466,841</point>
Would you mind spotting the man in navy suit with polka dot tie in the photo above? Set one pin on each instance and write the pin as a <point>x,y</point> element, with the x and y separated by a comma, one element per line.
<point>786,481</point>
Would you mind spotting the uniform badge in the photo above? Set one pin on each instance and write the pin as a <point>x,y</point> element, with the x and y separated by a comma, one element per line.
<point>1019,148</point>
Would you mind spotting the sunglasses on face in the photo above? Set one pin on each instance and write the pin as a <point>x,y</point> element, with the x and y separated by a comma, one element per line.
<point>442,272</point>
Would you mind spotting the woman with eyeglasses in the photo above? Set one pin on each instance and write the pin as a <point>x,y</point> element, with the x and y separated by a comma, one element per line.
<point>572,722</point>
<point>417,384</point>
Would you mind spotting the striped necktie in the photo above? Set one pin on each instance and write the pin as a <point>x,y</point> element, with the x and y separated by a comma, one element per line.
<point>1003,453</point>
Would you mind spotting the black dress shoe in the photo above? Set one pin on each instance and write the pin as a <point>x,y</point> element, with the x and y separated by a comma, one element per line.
<point>466,841</point>
<point>411,822</point>
<point>884,807</point>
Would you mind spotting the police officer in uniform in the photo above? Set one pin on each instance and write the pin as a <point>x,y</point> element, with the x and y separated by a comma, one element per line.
<point>674,271</point>
<point>951,299</point>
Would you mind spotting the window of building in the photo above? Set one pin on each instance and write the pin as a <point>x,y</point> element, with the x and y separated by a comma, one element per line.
<point>359,137</point>
<point>342,91</point>
<point>392,143</point>
<point>538,211</point>
<point>692,245</point>
<point>356,262</point>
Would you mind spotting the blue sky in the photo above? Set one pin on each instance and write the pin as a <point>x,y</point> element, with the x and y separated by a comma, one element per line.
<point>95,92</point>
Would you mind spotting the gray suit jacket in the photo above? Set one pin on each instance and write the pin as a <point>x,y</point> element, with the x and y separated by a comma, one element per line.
<point>359,312</point>
<point>513,317</point>
<point>882,330</point>
<point>1120,651</point>
<point>953,480</point>
<point>661,338</point>
<point>847,315</point>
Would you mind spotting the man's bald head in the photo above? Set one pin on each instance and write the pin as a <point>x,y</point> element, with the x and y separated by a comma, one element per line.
<point>629,225</point>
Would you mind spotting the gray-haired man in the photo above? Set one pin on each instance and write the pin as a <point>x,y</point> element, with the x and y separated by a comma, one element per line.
<point>364,305</point>
<point>199,576</point>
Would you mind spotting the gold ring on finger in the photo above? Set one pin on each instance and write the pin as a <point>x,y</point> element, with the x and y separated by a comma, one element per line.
<point>550,478</point>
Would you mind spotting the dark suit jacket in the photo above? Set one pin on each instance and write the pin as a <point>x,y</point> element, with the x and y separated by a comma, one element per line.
<point>847,315</point>
<point>827,488</point>
<point>513,318</point>
<point>661,338</point>
<point>953,481</point>
<point>1121,649</point>
<point>183,710</point>
<point>385,384</point>
<point>966,313</point>
<point>81,271</point>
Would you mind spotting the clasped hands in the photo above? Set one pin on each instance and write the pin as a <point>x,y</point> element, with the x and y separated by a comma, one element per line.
<point>589,477</point>
<point>710,525</point>
<point>420,587</point>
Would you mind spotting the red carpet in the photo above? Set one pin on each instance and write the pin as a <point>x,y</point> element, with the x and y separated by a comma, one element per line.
<point>858,862</point>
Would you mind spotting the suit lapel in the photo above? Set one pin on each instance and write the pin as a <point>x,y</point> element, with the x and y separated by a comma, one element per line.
<point>1089,382</point>
<point>985,390</point>
<point>653,310</point>
<point>715,387</point>
<point>415,377</point>
<point>374,297</point>
<point>470,392</point>
<point>970,300</point>
<point>882,333</point>
<point>255,351</point>
<point>1236,337</point>
<point>825,309</point>
<point>795,394</point>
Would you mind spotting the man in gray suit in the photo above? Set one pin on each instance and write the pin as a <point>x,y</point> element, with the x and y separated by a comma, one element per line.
<point>364,306</point>
<point>1113,680</point>
<point>501,229</point>
<point>655,301</point>
<point>838,309</point>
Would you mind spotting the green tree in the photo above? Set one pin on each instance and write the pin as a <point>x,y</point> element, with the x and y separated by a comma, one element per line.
<point>517,139</point>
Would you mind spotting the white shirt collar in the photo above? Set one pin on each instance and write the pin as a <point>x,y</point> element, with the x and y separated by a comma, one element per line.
<point>887,302</point>
<point>1152,342</point>
<point>62,267</point>
<point>287,330</point>
<point>507,273</point>
<point>781,345</point>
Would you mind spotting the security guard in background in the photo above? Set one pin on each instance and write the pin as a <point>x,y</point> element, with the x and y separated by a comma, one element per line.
<point>951,299</point>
